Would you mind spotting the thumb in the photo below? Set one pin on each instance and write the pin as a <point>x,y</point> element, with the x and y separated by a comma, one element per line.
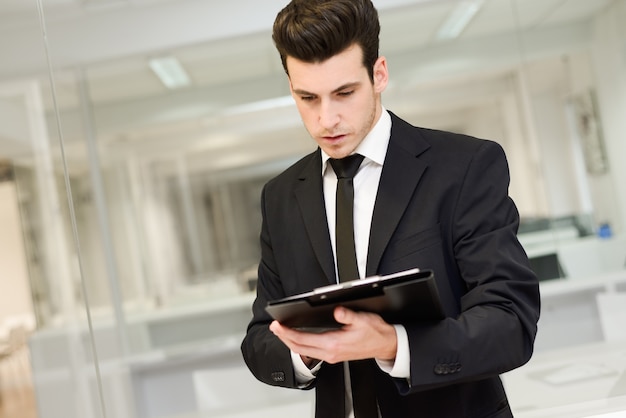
<point>344,316</point>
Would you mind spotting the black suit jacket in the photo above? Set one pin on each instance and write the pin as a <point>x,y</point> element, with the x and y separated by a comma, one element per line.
<point>442,204</point>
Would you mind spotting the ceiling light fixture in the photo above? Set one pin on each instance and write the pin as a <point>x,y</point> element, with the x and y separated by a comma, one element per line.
<point>170,72</point>
<point>259,106</point>
<point>458,20</point>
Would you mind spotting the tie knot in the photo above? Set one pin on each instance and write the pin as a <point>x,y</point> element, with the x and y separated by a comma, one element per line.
<point>346,168</point>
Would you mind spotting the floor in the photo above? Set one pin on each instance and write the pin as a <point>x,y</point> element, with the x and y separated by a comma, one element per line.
<point>17,398</point>
<point>18,403</point>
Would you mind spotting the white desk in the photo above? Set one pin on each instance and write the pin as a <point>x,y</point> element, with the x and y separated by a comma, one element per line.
<point>581,381</point>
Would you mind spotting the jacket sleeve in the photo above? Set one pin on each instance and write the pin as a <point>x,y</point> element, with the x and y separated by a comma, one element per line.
<point>266,356</point>
<point>499,306</point>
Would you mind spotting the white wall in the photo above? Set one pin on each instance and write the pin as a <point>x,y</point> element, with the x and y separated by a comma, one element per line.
<point>609,58</point>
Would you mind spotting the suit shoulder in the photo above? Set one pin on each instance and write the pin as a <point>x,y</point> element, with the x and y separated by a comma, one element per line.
<point>457,141</point>
<point>294,172</point>
<point>445,141</point>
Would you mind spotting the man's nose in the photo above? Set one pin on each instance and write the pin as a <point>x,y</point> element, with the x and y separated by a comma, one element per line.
<point>329,115</point>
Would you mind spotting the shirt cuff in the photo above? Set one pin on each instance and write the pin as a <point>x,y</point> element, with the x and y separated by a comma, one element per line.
<point>400,367</point>
<point>304,375</point>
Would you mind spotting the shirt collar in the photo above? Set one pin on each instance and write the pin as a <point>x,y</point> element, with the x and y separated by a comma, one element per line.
<point>374,145</point>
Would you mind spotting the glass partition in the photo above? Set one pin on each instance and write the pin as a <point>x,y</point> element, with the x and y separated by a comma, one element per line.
<point>41,286</point>
<point>161,136</point>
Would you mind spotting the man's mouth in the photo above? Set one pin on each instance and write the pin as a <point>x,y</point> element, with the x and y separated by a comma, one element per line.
<point>333,138</point>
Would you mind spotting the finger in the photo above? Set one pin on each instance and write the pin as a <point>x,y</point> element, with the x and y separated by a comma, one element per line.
<point>274,326</point>
<point>292,337</point>
<point>344,316</point>
<point>304,343</point>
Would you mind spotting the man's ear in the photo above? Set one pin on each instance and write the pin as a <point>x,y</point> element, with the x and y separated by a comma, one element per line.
<point>381,74</point>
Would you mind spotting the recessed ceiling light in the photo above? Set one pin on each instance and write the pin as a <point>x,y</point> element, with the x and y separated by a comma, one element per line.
<point>458,20</point>
<point>170,72</point>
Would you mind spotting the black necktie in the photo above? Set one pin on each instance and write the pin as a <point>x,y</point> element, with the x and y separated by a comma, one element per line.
<point>345,169</point>
<point>361,373</point>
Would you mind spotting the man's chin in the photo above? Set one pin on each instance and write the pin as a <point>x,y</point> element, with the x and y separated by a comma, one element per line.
<point>337,151</point>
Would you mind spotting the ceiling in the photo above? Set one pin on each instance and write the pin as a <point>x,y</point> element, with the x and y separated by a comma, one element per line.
<point>235,71</point>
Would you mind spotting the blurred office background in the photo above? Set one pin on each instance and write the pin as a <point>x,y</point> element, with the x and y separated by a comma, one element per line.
<point>136,135</point>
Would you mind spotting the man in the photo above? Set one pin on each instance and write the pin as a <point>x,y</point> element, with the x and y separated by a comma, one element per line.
<point>422,198</point>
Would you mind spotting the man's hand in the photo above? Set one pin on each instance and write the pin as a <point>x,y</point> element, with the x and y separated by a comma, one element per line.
<point>364,335</point>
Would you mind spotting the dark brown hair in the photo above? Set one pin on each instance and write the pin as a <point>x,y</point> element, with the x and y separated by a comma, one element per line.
<point>315,30</point>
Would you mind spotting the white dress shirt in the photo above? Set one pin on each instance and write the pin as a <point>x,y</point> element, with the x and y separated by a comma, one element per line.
<point>373,148</point>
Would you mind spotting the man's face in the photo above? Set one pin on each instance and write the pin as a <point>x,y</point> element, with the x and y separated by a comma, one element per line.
<point>337,100</point>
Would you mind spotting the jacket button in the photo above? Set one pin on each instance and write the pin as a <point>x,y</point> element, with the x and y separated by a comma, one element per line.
<point>278,376</point>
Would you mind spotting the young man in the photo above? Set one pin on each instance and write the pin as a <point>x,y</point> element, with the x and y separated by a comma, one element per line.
<point>422,198</point>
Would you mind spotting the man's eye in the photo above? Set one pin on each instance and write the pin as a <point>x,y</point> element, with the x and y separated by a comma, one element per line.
<point>307,98</point>
<point>346,93</point>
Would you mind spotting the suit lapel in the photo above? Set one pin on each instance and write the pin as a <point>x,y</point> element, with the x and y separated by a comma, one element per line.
<point>310,197</point>
<point>401,173</point>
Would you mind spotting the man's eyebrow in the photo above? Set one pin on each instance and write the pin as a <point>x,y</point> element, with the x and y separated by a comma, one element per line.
<point>347,86</point>
<point>303,92</point>
<point>337,90</point>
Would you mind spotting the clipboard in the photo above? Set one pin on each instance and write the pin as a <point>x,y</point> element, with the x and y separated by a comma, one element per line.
<point>406,296</point>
